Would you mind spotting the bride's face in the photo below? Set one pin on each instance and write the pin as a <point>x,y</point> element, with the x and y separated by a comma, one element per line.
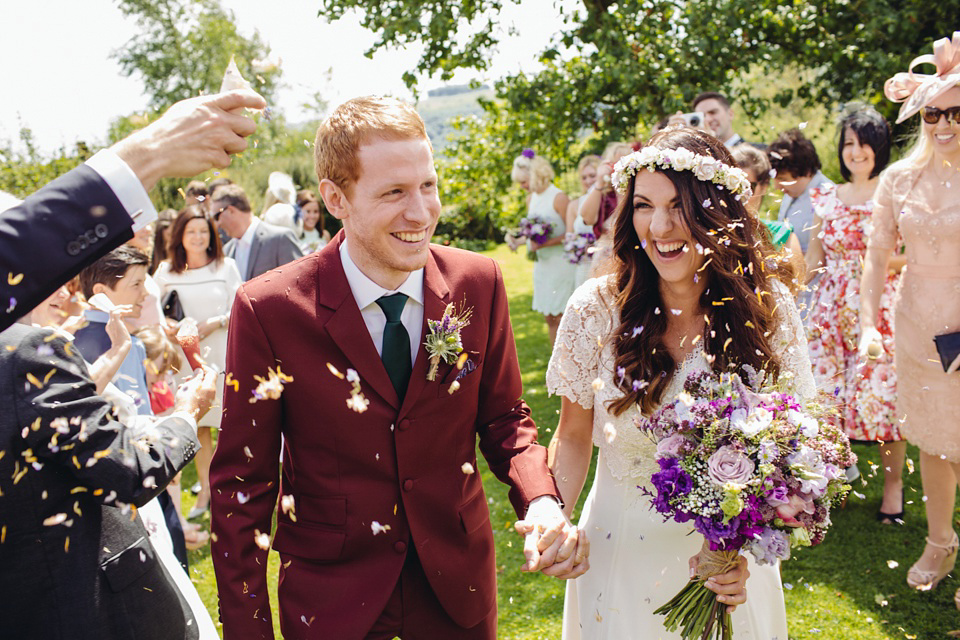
<point>663,234</point>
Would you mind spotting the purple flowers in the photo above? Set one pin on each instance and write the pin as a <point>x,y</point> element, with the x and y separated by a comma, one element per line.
<point>752,466</point>
<point>528,153</point>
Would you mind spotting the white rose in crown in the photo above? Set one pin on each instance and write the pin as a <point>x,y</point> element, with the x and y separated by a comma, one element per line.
<point>707,168</point>
<point>683,159</point>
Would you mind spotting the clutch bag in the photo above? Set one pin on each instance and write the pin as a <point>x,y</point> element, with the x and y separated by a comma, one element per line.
<point>172,307</point>
<point>948,346</point>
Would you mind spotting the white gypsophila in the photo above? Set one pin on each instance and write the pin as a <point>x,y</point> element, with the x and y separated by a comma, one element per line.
<point>705,168</point>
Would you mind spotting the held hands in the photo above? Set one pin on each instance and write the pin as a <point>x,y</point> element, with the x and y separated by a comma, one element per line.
<point>192,136</point>
<point>551,543</point>
<point>871,344</point>
<point>730,587</point>
<point>197,393</point>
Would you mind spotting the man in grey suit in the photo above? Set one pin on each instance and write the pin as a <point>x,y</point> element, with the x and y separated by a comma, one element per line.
<point>76,560</point>
<point>257,246</point>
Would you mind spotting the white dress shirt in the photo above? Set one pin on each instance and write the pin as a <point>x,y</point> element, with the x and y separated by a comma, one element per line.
<point>366,292</point>
<point>125,185</point>
<point>244,244</point>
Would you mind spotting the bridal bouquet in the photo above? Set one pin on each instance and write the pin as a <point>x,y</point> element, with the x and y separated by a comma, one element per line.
<point>756,470</point>
<point>578,245</point>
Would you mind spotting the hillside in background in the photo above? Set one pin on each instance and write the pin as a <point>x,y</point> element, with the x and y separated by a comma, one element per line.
<point>441,105</point>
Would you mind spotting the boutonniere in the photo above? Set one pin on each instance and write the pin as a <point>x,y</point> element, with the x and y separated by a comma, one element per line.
<point>443,337</point>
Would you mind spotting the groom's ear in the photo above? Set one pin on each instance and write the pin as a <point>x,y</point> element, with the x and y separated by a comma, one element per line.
<point>334,198</point>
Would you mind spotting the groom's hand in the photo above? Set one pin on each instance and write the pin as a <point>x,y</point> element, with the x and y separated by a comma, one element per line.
<point>730,587</point>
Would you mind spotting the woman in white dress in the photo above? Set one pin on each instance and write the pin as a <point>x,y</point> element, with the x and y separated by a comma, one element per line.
<point>205,282</point>
<point>553,274</point>
<point>696,287</point>
<point>587,172</point>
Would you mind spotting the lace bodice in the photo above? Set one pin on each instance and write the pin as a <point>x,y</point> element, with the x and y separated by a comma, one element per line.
<point>581,370</point>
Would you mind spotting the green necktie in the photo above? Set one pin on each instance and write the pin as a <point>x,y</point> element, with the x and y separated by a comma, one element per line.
<point>396,343</point>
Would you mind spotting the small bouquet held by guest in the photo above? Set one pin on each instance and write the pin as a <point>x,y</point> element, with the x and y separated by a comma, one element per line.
<point>579,245</point>
<point>753,470</point>
<point>534,230</point>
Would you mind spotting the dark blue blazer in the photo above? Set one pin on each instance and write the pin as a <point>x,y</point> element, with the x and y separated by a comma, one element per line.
<point>55,233</point>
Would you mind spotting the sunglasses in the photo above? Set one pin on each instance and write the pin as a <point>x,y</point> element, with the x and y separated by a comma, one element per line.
<point>216,216</point>
<point>931,115</point>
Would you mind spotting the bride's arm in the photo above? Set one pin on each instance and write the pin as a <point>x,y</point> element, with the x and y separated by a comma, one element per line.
<point>570,451</point>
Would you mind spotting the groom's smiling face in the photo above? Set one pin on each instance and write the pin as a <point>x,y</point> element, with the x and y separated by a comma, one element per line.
<point>390,212</point>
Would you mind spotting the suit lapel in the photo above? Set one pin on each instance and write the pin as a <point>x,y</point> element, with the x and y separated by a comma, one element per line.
<point>436,296</point>
<point>346,325</point>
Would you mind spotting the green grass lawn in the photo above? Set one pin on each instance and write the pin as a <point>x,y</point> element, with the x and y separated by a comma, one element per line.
<point>850,587</point>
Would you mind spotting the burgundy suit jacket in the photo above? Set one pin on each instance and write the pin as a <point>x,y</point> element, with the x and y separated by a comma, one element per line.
<point>397,464</point>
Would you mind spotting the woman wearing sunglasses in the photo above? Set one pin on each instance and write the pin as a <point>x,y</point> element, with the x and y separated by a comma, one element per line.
<point>919,199</point>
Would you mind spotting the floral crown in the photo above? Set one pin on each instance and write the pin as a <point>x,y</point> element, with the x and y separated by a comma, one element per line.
<point>705,168</point>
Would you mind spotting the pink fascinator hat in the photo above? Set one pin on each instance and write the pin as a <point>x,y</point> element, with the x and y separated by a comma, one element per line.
<point>916,90</point>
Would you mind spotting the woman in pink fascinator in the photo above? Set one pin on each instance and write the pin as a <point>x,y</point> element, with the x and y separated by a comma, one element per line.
<point>918,198</point>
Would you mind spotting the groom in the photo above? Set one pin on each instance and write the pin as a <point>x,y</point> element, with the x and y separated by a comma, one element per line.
<point>382,526</point>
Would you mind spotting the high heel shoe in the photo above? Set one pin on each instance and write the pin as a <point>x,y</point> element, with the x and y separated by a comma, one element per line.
<point>924,580</point>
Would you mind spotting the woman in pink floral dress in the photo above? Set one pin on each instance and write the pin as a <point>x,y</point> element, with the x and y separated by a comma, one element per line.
<point>866,395</point>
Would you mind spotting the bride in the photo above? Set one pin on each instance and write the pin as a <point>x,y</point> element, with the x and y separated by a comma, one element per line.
<point>696,287</point>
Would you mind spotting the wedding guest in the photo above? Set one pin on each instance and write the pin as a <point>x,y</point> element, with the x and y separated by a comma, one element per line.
<point>757,167</point>
<point>619,350</point>
<point>587,172</point>
<point>205,282</point>
<point>195,193</point>
<point>151,313</point>
<point>279,203</point>
<point>796,165</point>
<point>257,246</point>
<point>600,206</point>
<point>865,395</point>
<point>161,238</point>
<point>718,116</point>
<point>314,236</point>
<point>553,275</point>
<point>918,200</point>
<point>95,207</point>
<point>97,560</point>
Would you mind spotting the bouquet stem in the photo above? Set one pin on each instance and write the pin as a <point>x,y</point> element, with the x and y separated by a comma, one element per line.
<point>695,609</point>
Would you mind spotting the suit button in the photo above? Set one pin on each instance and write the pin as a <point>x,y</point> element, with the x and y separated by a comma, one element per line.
<point>82,241</point>
<point>101,231</point>
<point>91,236</point>
<point>407,484</point>
<point>400,547</point>
<point>73,248</point>
<point>404,425</point>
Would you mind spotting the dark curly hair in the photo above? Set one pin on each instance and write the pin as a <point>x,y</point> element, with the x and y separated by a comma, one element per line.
<point>737,301</point>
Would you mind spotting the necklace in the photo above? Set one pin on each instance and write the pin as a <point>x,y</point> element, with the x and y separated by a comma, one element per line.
<point>949,170</point>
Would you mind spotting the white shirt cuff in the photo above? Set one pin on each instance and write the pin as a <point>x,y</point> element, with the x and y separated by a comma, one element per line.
<point>125,185</point>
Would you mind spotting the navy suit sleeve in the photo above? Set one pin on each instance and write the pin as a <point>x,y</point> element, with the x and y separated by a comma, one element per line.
<point>57,231</point>
<point>66,425</point>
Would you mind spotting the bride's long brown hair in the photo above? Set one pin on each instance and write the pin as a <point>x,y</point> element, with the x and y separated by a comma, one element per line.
<point>738,301</point>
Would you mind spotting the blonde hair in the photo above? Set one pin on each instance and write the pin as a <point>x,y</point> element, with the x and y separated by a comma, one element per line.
<point>355,123</point>
<point>618,149</point>
<point>158,346</point>
<point>537,170</point>
<point>590,160</point>
<point>747,156</point>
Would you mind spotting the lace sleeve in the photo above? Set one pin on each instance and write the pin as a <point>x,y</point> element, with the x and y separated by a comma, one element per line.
<point>790,345</point>
<point>574,364</point>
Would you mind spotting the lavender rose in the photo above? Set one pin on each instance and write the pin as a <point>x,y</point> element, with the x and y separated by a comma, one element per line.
<point>729,464</point>
<point>672,446</point>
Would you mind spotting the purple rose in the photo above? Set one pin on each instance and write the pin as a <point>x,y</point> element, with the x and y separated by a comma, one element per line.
<point>769,546</point>
<point>730,464</point>
<point>672,446</point>
<point>778,495</point>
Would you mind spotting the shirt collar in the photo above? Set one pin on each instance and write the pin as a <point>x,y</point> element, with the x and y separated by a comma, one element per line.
<point>733,141</point>
<point>366,291</point>
<point>247,237</point>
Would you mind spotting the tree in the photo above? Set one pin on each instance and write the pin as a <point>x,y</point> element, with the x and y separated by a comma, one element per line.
<point>616,63</point>
<point>184,47</point>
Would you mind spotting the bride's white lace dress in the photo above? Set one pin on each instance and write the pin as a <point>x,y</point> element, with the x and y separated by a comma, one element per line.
<point>638,561</point>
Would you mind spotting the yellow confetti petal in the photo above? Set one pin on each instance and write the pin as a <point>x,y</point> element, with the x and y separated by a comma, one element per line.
<point>14,280</point>
<point>334,371</point>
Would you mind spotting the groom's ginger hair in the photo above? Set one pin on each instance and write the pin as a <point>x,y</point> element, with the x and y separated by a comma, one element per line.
<point>355,123</point>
